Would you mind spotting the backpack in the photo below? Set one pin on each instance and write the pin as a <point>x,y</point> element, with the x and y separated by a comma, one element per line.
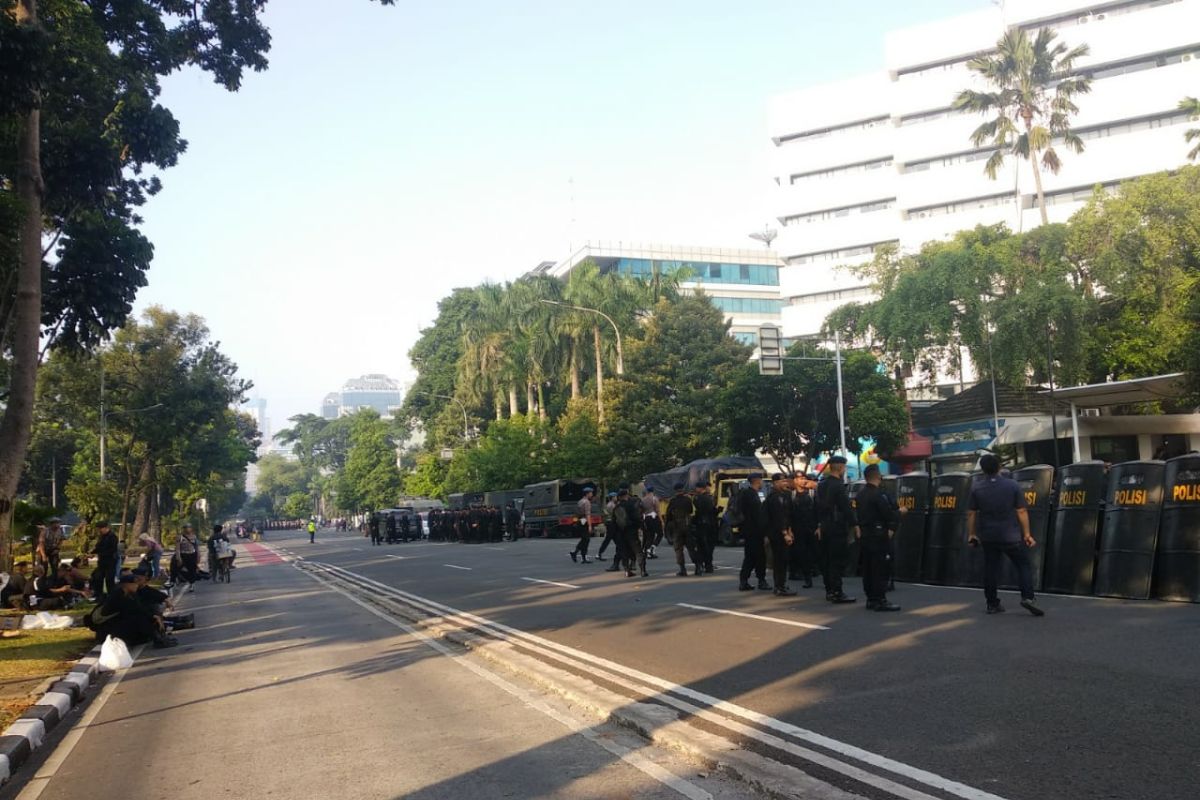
<point>621,516</point>
<point>734,515</point>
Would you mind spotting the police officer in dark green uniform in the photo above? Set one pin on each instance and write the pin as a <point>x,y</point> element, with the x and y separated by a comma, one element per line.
<point>877,521</point>
<point>836,519</point>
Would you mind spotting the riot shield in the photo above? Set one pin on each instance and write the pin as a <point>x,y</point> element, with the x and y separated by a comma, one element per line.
<point>1177,563</point>
<point>1036,482</point>
<point>1071,546</point>
<point>946,545</point>
<point>1127,540</point>
<point>908,545</point>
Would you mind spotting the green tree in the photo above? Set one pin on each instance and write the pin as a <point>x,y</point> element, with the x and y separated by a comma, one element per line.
<point>514,452</point>
<point>79,103</point>
<point>428,478</point>
<point>1032,98</point>
<point>371,479</point>
<point>580,448</point>
<point>1192,106</point>
<point>666,410</point>
<point>794,418</point>
<point>986,293</point>
<point>298,505</point>
<point>278,479</point>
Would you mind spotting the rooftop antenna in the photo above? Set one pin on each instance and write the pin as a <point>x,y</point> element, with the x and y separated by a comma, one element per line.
<point>766,236</point>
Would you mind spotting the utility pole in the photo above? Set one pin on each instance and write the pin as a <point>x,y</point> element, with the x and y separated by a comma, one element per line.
<point>103,426</point>
<point>841,409</point>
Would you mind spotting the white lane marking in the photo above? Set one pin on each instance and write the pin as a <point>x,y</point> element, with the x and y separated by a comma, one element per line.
<point>493,548</point>
<point>398,558</point>
<point>623,674</point>
<point>37,784</point>
<point>456,566</point>
<point>631,757</point>
<point>357,549</point>
<point>552,583</point>
<point>793,623</point>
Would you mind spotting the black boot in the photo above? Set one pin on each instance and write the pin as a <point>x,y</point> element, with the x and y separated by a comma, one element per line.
<point>699,570</point>
<point>763,586</point>
<point>573,556</point>
<point>681,572</point>
<point>745,587</point>
<point>785,591</point>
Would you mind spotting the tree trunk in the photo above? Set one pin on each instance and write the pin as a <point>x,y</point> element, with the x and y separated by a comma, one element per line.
<point>1041,195</point>
<point>529,403</point>
<point>514,406</point>
<point>499,407</point>
<point>599,375</point>
<point>575,393</point>
<point>1037,172</point>
<point>541,395</point>
<point>17,421</point>
<point>147,496</point>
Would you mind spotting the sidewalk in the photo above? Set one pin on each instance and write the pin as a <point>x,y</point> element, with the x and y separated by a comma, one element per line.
<point>287,689</point>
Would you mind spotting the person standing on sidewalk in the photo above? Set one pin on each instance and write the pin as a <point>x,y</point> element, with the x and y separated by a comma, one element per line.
<point>754,531</point>
<point>49,542</point>
<point>104,579</point>
<point>998,518</point>
<point>188,550</point>
<point>583,521</point>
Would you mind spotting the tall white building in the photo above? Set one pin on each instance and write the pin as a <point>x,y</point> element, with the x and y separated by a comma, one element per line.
<point>742,283</point>
<point>883,159</point>
<point>375,391</point>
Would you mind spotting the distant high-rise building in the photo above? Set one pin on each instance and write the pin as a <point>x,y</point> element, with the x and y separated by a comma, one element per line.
<point>375,391</point>
<point>884,159</point>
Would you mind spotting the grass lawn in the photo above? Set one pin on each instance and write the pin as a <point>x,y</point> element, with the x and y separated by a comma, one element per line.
<point>28,659</point>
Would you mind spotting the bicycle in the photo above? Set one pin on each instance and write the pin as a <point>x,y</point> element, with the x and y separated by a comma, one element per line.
<point>223,571</point>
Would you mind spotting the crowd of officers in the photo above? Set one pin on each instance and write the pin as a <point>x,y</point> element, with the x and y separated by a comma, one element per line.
<point>803,527</point>
<point>475,525</point>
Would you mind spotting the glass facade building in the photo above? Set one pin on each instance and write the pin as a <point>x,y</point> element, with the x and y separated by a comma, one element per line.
<point>703,271</point>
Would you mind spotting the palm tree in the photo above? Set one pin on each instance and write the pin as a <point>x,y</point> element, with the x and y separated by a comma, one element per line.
<point>1192,106</point>
<point>485,368</point>
<point>1033,99</point>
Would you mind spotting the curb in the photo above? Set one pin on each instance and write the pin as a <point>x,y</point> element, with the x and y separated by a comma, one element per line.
<point>27,733</point>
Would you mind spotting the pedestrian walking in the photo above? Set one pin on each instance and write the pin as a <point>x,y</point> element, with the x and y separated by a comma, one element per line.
<point>583,523</point>
<point>753,527</point>
<point>836,520</point>
<point>998,519</point>
<point>651,522</point>
<point>705,523</point>
<point>877,522</point>
<point>610,528</point>
<point>679,530</point>
<point>779,531</point>
<point>632,539</point>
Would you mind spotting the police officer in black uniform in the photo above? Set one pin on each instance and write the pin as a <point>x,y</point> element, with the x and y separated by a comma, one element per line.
<point>754,531</point>
<point>836,519</point>
<point>705,521</point>
<point>803,559</point>
<point>877,521</point>
<point>779,531</point>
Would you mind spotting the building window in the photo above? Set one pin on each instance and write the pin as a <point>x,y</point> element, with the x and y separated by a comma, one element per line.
<point>837,172</point>
<point>849,127</point>
<point>1115,449</point>
<point>861,253</point>
<point>746,337</point>
<point>748,305</point>
<point>836,213</point>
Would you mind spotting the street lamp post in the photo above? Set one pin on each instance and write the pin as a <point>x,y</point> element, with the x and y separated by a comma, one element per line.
<point>462,407</point>
<point>616,330</point>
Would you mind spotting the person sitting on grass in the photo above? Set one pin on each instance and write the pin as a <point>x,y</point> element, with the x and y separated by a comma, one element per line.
<point>51,593</point>
<point>155,601</point>
<point>123,616</point>
<point>81,578</point>
<point>13,593</point>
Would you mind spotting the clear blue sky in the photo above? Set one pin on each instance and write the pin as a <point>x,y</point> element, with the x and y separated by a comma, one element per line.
<point>391,154</point>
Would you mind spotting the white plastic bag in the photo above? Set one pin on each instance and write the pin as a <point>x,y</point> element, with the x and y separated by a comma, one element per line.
<point>114,655</point>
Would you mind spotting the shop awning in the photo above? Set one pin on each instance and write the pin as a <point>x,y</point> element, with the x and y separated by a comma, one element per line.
<point>1118,393</point>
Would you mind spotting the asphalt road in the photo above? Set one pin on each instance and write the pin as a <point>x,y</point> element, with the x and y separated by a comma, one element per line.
<point>287,689</point>
<point>1099,699</point>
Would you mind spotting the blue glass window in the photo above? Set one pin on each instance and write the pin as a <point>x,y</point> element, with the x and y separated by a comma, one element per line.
<point>748,305</point>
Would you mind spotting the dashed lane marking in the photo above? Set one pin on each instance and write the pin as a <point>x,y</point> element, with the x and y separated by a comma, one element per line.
<point>552,583</point>
<point>456,566</point>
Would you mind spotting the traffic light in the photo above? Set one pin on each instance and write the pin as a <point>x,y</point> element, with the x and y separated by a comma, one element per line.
<point>770,350</point>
